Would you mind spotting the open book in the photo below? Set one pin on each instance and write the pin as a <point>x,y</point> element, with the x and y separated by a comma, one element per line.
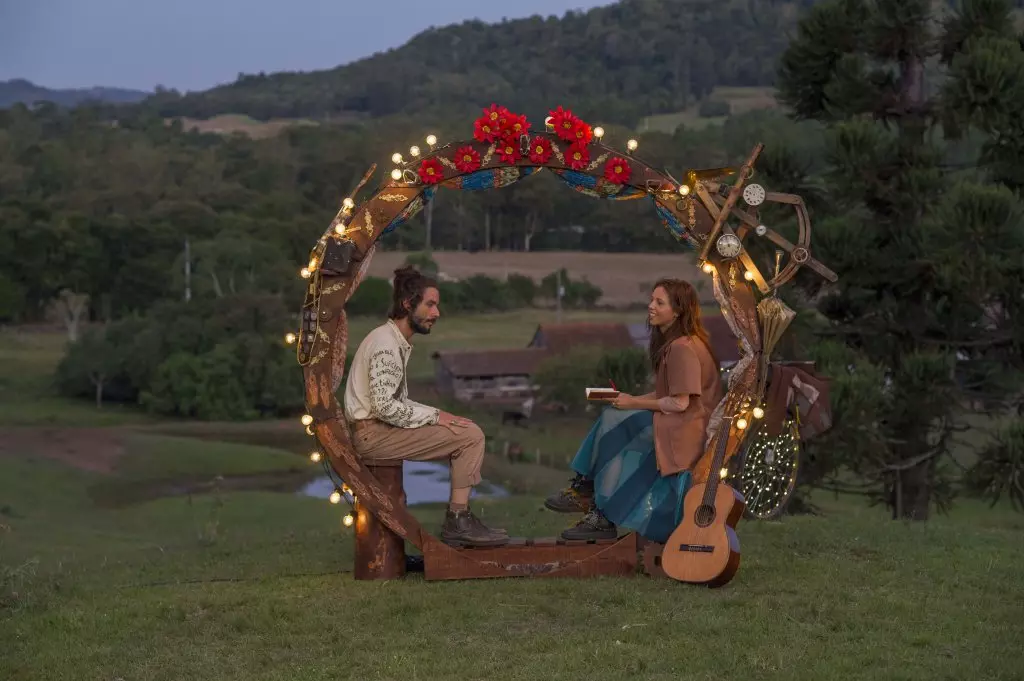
<point>601,394</point>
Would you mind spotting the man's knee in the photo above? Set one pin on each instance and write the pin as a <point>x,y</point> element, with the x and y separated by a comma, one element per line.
<point>473,435</point>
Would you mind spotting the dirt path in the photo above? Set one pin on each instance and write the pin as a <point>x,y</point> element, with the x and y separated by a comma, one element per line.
<point>89,449</point>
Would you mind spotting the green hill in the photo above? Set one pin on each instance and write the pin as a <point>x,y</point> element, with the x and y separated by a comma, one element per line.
<point>20,91</point>
<point>621,62</point>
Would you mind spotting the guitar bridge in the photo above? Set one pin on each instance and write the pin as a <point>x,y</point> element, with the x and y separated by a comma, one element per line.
<point>697,548</point>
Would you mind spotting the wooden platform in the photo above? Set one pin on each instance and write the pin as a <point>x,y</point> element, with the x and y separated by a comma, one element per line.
<point>546,557</point>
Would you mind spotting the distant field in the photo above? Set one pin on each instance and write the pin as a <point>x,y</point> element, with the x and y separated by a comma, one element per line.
<point>741,100</point>
<point>625,278</point>
<point>228,124</point>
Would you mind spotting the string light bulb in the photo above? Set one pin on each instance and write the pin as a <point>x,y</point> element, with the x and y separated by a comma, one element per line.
<point>684,190</point>
<point>305,273</point>
<point>741,424</point>
<point>396,174</point>
<point>396,157</point>
<point>348,520</point>
<point>289,338</point>
<point>708,268</point>
<point>724,473</point>
<point>599,132</point>
<point>314,457</point>
<point>748,275</point>
<point>335,497</point>
<point>307,420</point>
<point>414,151</point>
<point>339,228</point>
<point>348,203</point>
<point>431,140</point>
<point>758,413</point>
<point>632,145</point>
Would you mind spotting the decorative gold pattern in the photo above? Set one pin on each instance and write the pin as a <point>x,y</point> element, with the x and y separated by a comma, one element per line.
<point>558,153</point>
<point>392,198</point>
<point>447,162</point>
<point>490,153</point>
<point>334,288</point>
<point>597,161</point>
<point>367,224</point>
<point>319,356</point>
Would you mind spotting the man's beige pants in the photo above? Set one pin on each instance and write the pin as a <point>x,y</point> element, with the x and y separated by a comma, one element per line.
<point>464,447</point>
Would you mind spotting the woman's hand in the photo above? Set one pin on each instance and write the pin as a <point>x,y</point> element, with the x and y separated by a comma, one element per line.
<point>624,401</point>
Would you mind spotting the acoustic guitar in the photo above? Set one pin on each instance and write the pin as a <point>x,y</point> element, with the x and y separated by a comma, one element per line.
<point>704,548</point>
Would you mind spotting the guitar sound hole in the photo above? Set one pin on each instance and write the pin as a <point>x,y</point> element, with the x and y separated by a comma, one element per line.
<point>705,515</point>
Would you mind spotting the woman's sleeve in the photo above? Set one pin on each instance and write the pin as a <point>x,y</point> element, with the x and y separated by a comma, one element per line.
<point>684,375</point>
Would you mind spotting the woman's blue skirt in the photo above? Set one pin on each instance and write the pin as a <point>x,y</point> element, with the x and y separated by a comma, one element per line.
<point>618,455</point>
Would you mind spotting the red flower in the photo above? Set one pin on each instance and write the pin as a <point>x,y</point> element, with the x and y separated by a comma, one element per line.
<point>617,170</point>
<point>467,159</point>
<point>508,149</point>
<point>516,124</point>
<point>582,133</point>
<point>578,156</point>
<point>485,130</point>
<point>540,149</point>
<point>431,171</point>
<point>495,114</point>
<point>564,124</point>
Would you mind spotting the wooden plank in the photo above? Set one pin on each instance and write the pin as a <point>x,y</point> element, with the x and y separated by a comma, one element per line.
<point>618,557</point>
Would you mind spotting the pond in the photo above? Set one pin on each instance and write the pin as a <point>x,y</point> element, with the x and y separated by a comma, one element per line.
<point>425,482</point>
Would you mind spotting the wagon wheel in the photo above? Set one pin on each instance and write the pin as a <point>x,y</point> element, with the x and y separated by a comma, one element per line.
<point>768,473</point>
<point>754,195</point>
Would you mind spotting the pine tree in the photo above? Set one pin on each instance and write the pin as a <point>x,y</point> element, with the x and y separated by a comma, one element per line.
<point>930,262</point>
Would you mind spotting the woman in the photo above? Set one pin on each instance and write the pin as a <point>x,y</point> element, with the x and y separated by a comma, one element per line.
<point>633,468</point>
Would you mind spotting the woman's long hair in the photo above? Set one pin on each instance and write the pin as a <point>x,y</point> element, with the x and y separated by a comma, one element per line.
<point>682,296</point>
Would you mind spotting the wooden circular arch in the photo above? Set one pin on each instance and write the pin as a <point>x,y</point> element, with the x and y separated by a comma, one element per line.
<point>340,258</point>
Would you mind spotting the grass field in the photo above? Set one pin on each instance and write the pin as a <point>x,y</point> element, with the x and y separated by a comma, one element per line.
<point>153,550</point>
<point>625,278</point>
<point>254,585</point>
<point>741,100</point>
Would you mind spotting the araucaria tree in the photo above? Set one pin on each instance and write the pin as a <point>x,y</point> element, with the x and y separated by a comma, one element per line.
<point>926,319</point>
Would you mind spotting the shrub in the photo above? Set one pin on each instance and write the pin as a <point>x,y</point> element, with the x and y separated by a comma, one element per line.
<point>373,297</point>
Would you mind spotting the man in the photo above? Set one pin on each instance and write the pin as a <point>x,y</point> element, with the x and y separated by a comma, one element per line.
<point>386,424</point>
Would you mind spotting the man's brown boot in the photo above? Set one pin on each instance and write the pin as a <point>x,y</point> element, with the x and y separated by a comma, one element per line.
<point>462,528</point>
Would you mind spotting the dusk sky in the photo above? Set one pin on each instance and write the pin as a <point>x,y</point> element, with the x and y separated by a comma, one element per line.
<point>195,44</point>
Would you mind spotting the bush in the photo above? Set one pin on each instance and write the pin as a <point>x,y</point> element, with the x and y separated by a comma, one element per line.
<point>373,297</point>
<point>579,293</point>
<point>714,108</point>
<point>217,359</point>
<point>523,289</point>
<point>563,378</point>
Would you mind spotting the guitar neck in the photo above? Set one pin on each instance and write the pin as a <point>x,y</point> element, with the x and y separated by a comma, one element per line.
<point>711,488</point>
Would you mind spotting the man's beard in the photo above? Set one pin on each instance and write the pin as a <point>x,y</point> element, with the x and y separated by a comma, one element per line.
<point>418,325</point>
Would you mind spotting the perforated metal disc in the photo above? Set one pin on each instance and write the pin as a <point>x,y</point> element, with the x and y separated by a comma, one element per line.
<point>753,194</point>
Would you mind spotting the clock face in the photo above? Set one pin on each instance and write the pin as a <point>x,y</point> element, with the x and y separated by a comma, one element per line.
<point>728,245</point>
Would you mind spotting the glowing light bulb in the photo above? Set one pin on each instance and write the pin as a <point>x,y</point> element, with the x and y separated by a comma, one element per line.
<point>758,413</point>
<point>348,203</point>
<point>724,473</point>
<point>315,457</point>
<point>289,338</point>
<point>396,174</point>
<point>414,151</point>
<point>305,273</point>
<point>335,497</point>
<point>708,268</point>
<point>307,420</point>
<point>598,132</point>
<point>431,140</point>
<point>748,275</point>
<point>348,520</point>
<point>339,228</point>
<point>741,424</point>
<point>632,145</point>
<point>396,157</point>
